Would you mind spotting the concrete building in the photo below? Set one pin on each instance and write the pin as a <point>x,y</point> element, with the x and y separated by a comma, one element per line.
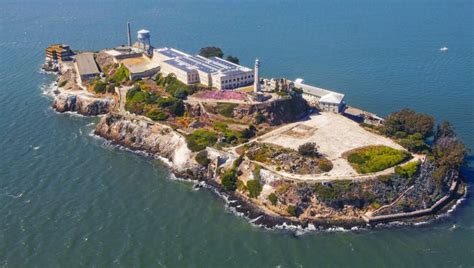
<point>58,52</point>
<point>276,84</point>
<point>86,67</point>
<point>212,72</point>
<point>325,100</point>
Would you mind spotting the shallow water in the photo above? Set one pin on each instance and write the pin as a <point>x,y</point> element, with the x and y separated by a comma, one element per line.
<point>69,199</point>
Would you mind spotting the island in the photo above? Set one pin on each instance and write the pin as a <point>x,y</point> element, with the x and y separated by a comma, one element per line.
<point>280,152</point>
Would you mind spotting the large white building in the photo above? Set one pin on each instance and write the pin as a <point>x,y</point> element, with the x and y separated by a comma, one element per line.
<point>213,72</point>
<point>324,99</point>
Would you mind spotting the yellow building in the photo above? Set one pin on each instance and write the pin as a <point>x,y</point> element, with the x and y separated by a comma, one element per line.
<point>58,52</point>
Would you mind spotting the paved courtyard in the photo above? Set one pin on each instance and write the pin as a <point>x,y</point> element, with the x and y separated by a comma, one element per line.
<point>334,134</point>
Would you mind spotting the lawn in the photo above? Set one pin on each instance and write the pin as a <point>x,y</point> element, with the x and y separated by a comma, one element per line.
<point>376,158</point>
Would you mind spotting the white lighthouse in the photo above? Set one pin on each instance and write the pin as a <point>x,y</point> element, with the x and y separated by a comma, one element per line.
<point>256,81</point>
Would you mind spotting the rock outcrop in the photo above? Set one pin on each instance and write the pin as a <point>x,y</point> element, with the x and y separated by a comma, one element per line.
<point>82,103</point>
<point>276,112</point>
<point>138,133</point>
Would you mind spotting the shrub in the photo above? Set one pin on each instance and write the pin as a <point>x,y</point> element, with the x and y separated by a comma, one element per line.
<point>177,108</point>
<point>260,118</point>
<point>241,186</point>
<point>324,193</point>
<point>414,143</point>
<point>200,139</point>
<point>226,109</point>
<point>273,198</point>
<point>408,170</point>
<point>325,165</point>
<point>121,74</point>
<point>256,172</point>
<point>156,115</point>
<point>376,158</point>
<point>63,83</point>
<point>308,149</point>
<point>229,180</point>
<point>291,210</point>
<point>254,188</point>
<point>100,87</point>
<point>202,158</point>
<point>237,162</point>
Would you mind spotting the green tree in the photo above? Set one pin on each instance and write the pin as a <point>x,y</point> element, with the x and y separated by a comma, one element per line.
<point>445,129</point>
<point>254,188</point>
<point>308,149</point>
<point>209,52</point>
<point>229,180</point>
<point>409,121</point>
<point>202,158</point>
<point>233,59</point>
<point>273,198</point>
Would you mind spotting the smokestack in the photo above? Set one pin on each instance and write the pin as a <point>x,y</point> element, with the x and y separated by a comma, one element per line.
<point>129,35</point>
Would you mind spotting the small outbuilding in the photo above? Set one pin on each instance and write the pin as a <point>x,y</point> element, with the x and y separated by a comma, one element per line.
<point>86,67</point>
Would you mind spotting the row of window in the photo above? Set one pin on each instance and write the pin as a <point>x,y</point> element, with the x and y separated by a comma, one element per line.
<point>236,79</point>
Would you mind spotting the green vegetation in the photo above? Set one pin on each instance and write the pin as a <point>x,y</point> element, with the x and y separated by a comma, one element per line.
<point>254,188</point>
<point>308,149</point>
<point>273,198</point>
<point>291,210</point>
<point>444,130</point>
<point>260,118</point>
<point>324,192</point>
<point>241,186</point>
<point>234,137</point>
<point>63,83</point>
<point>414,143</point>
<point>256,172</point>
<point>226,109</point>
<point>229,180</point>
<point>209,52</point>
<point>120,75</point>
<point>408,170</point>
<point>202,158</point>
<point>176,88</point>
<point>156,115</point>
<point>156,107</point>
<point>200,139</point>
<point>343,192</point>
<point>286,159</point>
<point>232,59</point>
<point>408,122</point>
<point>376,158</point>
<point>325,165</point>
<point>100,87</point>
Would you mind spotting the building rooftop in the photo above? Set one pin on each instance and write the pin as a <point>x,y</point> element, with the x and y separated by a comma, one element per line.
<point>140,64</point>
<point>188,62</point>
<point>86,64</point>
<point>324,94</point>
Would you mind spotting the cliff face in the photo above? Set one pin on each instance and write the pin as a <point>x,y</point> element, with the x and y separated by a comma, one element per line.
<point>276,113</point>
<point>82,104</point>
<point>144,135</point>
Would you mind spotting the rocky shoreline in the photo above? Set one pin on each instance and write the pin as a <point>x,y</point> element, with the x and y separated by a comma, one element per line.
<point>120,130</point>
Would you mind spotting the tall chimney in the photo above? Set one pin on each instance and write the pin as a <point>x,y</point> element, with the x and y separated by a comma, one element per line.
<point>129,35</point>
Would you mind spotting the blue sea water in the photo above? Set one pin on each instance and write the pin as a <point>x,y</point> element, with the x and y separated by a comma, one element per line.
<point>68,199</point>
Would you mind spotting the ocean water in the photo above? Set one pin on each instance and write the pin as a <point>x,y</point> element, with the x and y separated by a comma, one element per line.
<point>68,199</point>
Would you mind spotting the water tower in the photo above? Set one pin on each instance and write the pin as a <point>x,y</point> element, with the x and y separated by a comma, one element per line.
<point>143,37</point>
